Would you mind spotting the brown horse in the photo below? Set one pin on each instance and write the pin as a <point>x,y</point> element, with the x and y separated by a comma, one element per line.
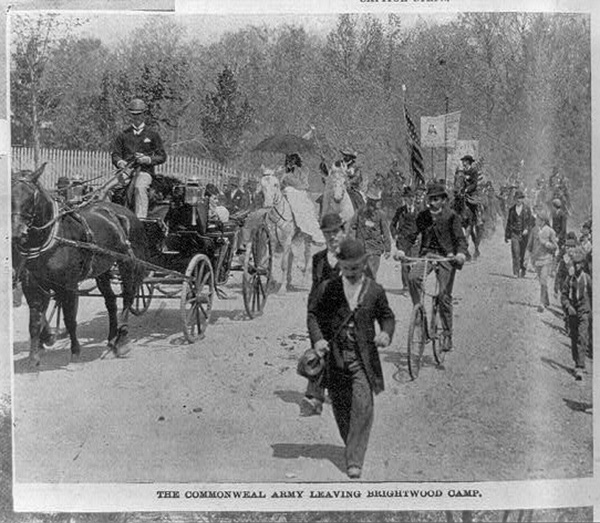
<point>58,249</point>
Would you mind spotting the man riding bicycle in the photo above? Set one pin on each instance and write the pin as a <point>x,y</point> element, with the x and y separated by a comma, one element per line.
<point>441,236</point>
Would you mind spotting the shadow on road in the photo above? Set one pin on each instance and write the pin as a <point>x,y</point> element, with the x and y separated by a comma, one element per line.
<point>578,406</point>
<point>557,366</point>
<point>556,328</point>
<point>289,396</point>
<point>509,276</point>
<point>234,315</point>
<point>58,359</point>
<point>332,453</point>
<point>523,304</point>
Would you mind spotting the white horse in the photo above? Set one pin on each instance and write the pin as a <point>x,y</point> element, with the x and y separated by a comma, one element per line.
<point>283,229</point>
<point>335,195</point>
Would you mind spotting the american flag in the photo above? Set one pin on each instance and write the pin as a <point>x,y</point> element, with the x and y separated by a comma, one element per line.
<point>416,156</point>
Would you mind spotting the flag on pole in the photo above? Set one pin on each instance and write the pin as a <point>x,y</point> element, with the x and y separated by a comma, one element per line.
<point>416,156</point>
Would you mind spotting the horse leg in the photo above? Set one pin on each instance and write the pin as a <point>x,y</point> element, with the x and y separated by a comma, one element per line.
<point>307,254</point>
<point>37,303</point>
<point>476,237</point>
<point>70,303</point>
<point>110,302</point>
<point>131,278</point>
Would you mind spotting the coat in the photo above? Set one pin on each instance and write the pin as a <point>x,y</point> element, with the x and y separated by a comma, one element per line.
<point>446,229</point>
<point>327,310</point>
<point>515,224</point>
<point>148,142</point>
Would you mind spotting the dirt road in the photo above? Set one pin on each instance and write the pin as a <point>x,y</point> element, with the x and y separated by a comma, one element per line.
<point>504,406</point>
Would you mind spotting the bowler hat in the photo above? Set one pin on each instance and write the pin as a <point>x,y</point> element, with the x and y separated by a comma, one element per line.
<point>62,182</point>
<point>436,189</point>
<point>211,190</point>
<point>351,251</point>
<point>467,158</point>
<point>136,106</point>
<point>349,153</point>
<point>519,194</point>
<point>310,364</point>
<point>331,222</point>
<point>374,193</point>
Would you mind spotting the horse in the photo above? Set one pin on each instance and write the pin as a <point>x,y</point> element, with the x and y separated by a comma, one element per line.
<point>468,221</point>
<point>57,249</point>
<point>283,229</point>
<point>336,198</point>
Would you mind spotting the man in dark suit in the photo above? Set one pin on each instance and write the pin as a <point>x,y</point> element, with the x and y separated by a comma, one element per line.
<point>238,198</point>
<point>404,229</point>
<point>441,236</point>
<point>324,267</point>
<point>341,318</point>
<point>519,223</point>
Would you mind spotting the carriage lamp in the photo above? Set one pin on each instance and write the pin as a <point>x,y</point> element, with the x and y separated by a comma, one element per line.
<point>193,196</point>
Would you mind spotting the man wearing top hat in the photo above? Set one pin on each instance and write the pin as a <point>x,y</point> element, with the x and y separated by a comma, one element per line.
<point>441,236</point>
<point>142,148</point>
<point>519,223</point>
<point>341,318</point>
<point>404,229</point>
<point>370,227</point>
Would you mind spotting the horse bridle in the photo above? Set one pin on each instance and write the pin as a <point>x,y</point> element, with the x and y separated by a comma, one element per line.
<point>28,219</point>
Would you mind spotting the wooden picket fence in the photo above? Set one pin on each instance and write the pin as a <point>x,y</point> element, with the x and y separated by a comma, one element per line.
<point>96,166</point>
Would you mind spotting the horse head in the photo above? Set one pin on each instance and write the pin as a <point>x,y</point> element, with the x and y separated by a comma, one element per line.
<point>271,189</point>
<point>336,184</point>
<point>31,205</point>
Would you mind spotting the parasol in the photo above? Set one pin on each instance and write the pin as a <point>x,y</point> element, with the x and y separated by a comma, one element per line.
<point>285,144</point>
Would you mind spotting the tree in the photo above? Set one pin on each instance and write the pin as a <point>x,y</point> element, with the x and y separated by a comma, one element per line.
<point>226,114</point>
<point>36,41</point>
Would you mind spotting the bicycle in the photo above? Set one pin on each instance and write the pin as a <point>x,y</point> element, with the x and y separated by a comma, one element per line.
<point>420,331</point>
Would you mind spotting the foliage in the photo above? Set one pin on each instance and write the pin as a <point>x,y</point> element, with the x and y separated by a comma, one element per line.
<point>522,82</point>
<point>226,114</point>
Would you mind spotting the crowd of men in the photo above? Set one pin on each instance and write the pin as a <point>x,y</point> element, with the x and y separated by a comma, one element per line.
<point>345,301</point>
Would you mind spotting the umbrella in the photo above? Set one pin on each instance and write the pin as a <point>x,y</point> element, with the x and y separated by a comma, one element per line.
<point>285,144</point>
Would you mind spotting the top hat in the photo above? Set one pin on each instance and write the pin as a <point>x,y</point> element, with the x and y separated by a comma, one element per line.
<point>136,106</point>
<point>331,222</point>
<point>436,189</point>
<point>351,251</point>
<point>234,181</point>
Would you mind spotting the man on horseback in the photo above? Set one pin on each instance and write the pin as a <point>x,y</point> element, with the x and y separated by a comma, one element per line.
<point>471,185</point>
<point>138,147</point>
<point>354,178</point>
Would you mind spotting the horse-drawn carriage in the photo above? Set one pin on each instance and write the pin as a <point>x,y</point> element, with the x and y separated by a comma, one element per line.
<point>177,252</point>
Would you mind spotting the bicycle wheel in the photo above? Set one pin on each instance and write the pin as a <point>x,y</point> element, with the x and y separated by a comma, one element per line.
<point>437,333</point>
<point>417,337</point>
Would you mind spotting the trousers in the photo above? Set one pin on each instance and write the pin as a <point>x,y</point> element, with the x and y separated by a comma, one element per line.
<point>579,334</point>
<point>352,404</point>
<point>142,184</point>
<point>445,274</point>
<point>518,246</point>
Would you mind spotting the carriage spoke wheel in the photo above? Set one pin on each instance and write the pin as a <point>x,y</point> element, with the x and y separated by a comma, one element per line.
<point>417,336</point>
<point>142,299</point>
<point>438,335</point>
<point>197,297</point>
<point>258,264</point>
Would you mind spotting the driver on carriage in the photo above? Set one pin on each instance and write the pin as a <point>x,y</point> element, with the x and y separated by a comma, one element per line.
<point>140,148</point>
<point>471,178</point>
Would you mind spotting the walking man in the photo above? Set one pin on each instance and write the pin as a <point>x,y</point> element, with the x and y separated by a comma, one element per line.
<point>441,236</point>
<point>324,267</point>
<point>139,147</point>
<point>341,323</point>
<point>519,223</point>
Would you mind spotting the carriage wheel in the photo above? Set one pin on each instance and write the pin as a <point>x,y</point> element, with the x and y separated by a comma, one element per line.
<point>196,297</point>
<point>258,265</point>
<point>142,300</point>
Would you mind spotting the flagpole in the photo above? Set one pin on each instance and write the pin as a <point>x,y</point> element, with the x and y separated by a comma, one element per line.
<point>446,143</point>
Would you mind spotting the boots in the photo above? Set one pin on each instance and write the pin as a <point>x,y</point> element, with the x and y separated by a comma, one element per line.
<point>544,298</point>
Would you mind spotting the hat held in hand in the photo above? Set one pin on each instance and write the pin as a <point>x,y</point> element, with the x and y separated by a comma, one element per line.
<point>310,364</point>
